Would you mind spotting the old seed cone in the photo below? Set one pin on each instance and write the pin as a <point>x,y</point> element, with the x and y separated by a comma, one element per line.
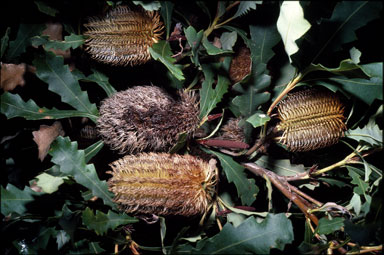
<point>311,119</point>
<point>163,184</point>
<point>123,37</point>
<point>146,118</point>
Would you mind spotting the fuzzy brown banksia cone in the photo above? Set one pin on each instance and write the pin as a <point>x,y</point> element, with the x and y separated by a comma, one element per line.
<point>123,37</point>
<point>163,184</point>
<point>145,117</point>
<point>241,65</point>
<point>311,119</point>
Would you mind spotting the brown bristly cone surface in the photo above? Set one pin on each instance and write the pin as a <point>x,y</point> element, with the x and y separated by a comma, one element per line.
<point>163,184</point>
<point>311,119</point>
<point>232,131</point>
<point>123,37</point>
<point>146,118</point>
<point>241,65</point>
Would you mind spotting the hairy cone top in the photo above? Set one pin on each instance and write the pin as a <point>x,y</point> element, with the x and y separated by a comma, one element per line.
<point>146,118</point>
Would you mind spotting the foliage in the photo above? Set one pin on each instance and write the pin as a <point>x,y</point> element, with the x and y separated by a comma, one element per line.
<point>63,205</point>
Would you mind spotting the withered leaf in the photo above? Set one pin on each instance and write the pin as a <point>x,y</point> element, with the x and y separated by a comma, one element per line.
<point>12,76</point>
<point>45,136</point>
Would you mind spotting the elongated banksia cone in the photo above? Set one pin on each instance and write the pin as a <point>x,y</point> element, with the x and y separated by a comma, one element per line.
<point>163,184</point>
<point>145,117</point>
<point>123,37</point>
<point>241,65</point>
<point>311,119</point>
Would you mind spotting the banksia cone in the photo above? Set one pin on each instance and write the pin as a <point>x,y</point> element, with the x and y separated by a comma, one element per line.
<point>145,117</point>
<point>123,36</point>
<point>232,131</point>
<point>163,184</point>
<point>241,65</point>
<point>311,119</point>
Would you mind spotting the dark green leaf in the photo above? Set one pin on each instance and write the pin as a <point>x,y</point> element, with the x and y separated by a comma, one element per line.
<point>258,119</point>
<point>371,134</point>
<point>361,186</point>
<point>102,80</point>
<point>194,40</point>
<point>44,8</point>
<point>23,39</point>
<point>249,238</point>
<point>166,14</point>
<point>13,200</point>
<point>92,150</point>
<point>280,166</point>
<point>210,97</point>
<point>163,231</point>
<point>180,143</point>
<point>61,239</point>
<point>4,42</point>
<point>263,39</point>
<point>228,40</point>
<point>240,32</point>
<point>51,69</point>
<point>72,162</point>
<point>246,188</point>
<point>213,50</point>
<point>162,51</point>
<point>95,248</point>
<point>12,105</point>
<point>327,226</point>
<point>245,6</point>
<point>252,98</point>
<point>149,5</point>
<point>101,222</point>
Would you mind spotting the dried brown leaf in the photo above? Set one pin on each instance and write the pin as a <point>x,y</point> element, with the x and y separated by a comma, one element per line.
<point>12,76</point>
<point>55,32</point>
<point>45,136</point>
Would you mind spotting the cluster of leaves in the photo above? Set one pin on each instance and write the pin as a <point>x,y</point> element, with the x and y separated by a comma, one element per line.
<point>66,204</point>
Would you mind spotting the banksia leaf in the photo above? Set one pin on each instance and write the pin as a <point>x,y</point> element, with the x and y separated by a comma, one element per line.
<point>123,37</point>
<point>145,117</point>
<point>311,119</point>
<point>163,184</point>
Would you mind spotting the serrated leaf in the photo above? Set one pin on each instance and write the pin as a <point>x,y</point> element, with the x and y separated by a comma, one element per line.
<point>245,6</point>
<point>61,239</point>
<point>355,203</point>
<point>291,25</point>
<point>166,14</point>
<point>101,222</point>
<point>371,134</point>
<point>327,226</point>
<point>228,40</point>
<point>246,188</point>
<point>275,231</point>
<point>102,80</point>
<point>13,200</point>
<point>258,119</point>
<point>46,9</point>
<point>49,183</point>
<point>213,50</point>
<point>252,98</point>
<point>72,162</point>
<point>51,69</point>
<point>194,41</point>
<point>12,105</point>
<point>263,39</point>
<point>92,150</point>
<point>361,186</point>
<point>71,41</point>
<point>281,167</point>
<point>149,6</point>
<point>210,97</point>
<point>95,248</point>
<point>23,40</point>
<point>4,42</point>
<point>162,51</point>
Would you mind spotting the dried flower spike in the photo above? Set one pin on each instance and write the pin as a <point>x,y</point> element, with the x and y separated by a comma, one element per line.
<point>123,37</point>
<point>311,119</point>
<point>145,117</point>
<point>163,184</point>
<point>241,65</point>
